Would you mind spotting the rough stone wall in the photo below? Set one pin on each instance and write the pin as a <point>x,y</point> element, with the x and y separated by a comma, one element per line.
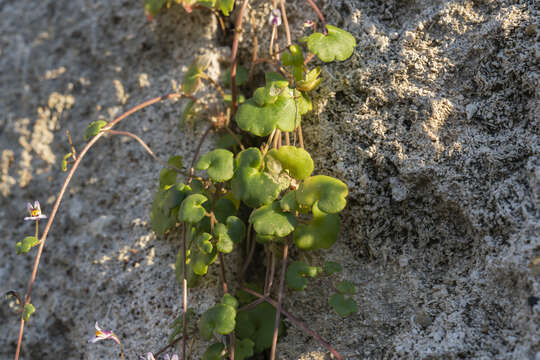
<point>433,124</point>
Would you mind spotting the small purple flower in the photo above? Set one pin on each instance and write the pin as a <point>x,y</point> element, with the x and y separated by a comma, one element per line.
<point>275,17</point>
<point>35,212</point>
<point>103,335</point>
<point>150,356</point>
<point>309,24</point>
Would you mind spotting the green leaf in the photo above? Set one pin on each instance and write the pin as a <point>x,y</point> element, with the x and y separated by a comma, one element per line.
<point>228,235</point>
<point>293,57</point>
<point>331,267</point>
<point>218,163</point>
<point>224,208</point>
<point>330,193</point>
<point>346,287</point>
<point>320,233</point>
<point>338,44</point>
<point>296,160</point>
<point>242,75</point>
<point>297,272</point>
<point>243,349</point>
<point>249,184</point>
<point>288,202</point>
<point>270,220</point>
<point>304,102</point>
<point>215,352</point>
<point>167,176</point>
<point>191,209</point>
<point>230,300</point>
<point>311,81</point>
<point>29,309</point>
<point>220,318</point>
<point>343,306</point>
<point>203,242</point>
<point>227,141</point>
<point>178,324</point>
<point>257,324</point>
<point>22,247</point>
<point>270,107</point>
<point>94,128</point>
<point>165,206</point>
<point>226,6</point>
<point>64,161</point>
<point>192,79</point>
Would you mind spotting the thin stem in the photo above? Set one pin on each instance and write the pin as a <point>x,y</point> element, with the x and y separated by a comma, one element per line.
<point>196,155</point>
<point>297,322</point>
<point>62,192</point>
<point>216,85</point>
<point>148,150</point>
<point>275,145</point>
<point>272,38</point>
<point>237,31</point>
<point>122,352</point>
<point>255,47</point>
<point>252,304</point>
<point>169,345</point>
<point>269,141</point>
<point>300,136</point>
<point>251,252</point>
<point>319,14</point>
<point>271,276</point>
<point>73,151</point>
<point>184,292</point>
<point>280,298</point>
<point>235,137</point>
<point>285,22</point>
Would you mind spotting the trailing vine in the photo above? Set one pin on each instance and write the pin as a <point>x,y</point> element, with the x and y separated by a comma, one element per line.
<point>256,200</point>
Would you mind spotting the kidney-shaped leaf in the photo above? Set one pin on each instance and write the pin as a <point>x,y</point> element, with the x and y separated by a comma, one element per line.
<point>163,215</point>
<point>243,349</point>
<point>22,247</point>
<point>343,306</point>
<point>338,44</point>
<point>331,267</point>
<point>330,193</point>
<point>191,209</point>
<point>288,202</point>
<point>94,128</point>
<point>228,235</point>
<point>249,183</point>
<point>296,160</point>
<point>215,352</point>
<point>297,274</point>
<point>257,324</point>
<point>220,318</point>
<point>218,163</point>
<point>203,242</point>
<point>320,233</point>
<point>270,220</point>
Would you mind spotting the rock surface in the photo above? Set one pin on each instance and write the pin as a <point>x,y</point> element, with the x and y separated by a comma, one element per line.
<point>433,124</point>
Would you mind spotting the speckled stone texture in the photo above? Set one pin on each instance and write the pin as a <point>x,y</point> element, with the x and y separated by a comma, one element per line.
<point>433,124</point>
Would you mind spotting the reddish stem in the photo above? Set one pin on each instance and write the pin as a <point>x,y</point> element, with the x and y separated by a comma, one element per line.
<point>280,298</point>
<point>237,30</point>
<point>319,14</point>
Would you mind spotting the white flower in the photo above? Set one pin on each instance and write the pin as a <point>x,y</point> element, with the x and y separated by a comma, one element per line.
<point>275,17</point>
<point>35,212</point>
<point>103,335</point>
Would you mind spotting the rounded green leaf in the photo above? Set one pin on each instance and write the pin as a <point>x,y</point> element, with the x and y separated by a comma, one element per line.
<point>331,267</point>
<point>296,160</point>
<point>242,75</point>
<point>304,102</point>
<point>230,300</point>
<point>346,287</point>
<point>343,306</point>
<point>257,324</point>
<point>262,120</point>
<point>249,184</point>
<point>311,81</point>
<point>270,220</point>
<point>228,235</point>
<point>191,209</point>
<point>199,261</point>
<point>203,242</point>
<point>320,233</point>
<point>227,141</point>
<point>28,310</point>
<point>163,215</point>
<point>215,352</point>
<point>218,163</point>
<point>293,57</point>
<point>243,349</point>
<point>330,193</point>
<point>223,208</point>
<point>22,247</point>
<point>168,176</point>
<point>94,128</point>
<point>220,318</point>
<point>297,272</point>
<point>288,202</point>
<point>225,6</point>
<point>338,44</point>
